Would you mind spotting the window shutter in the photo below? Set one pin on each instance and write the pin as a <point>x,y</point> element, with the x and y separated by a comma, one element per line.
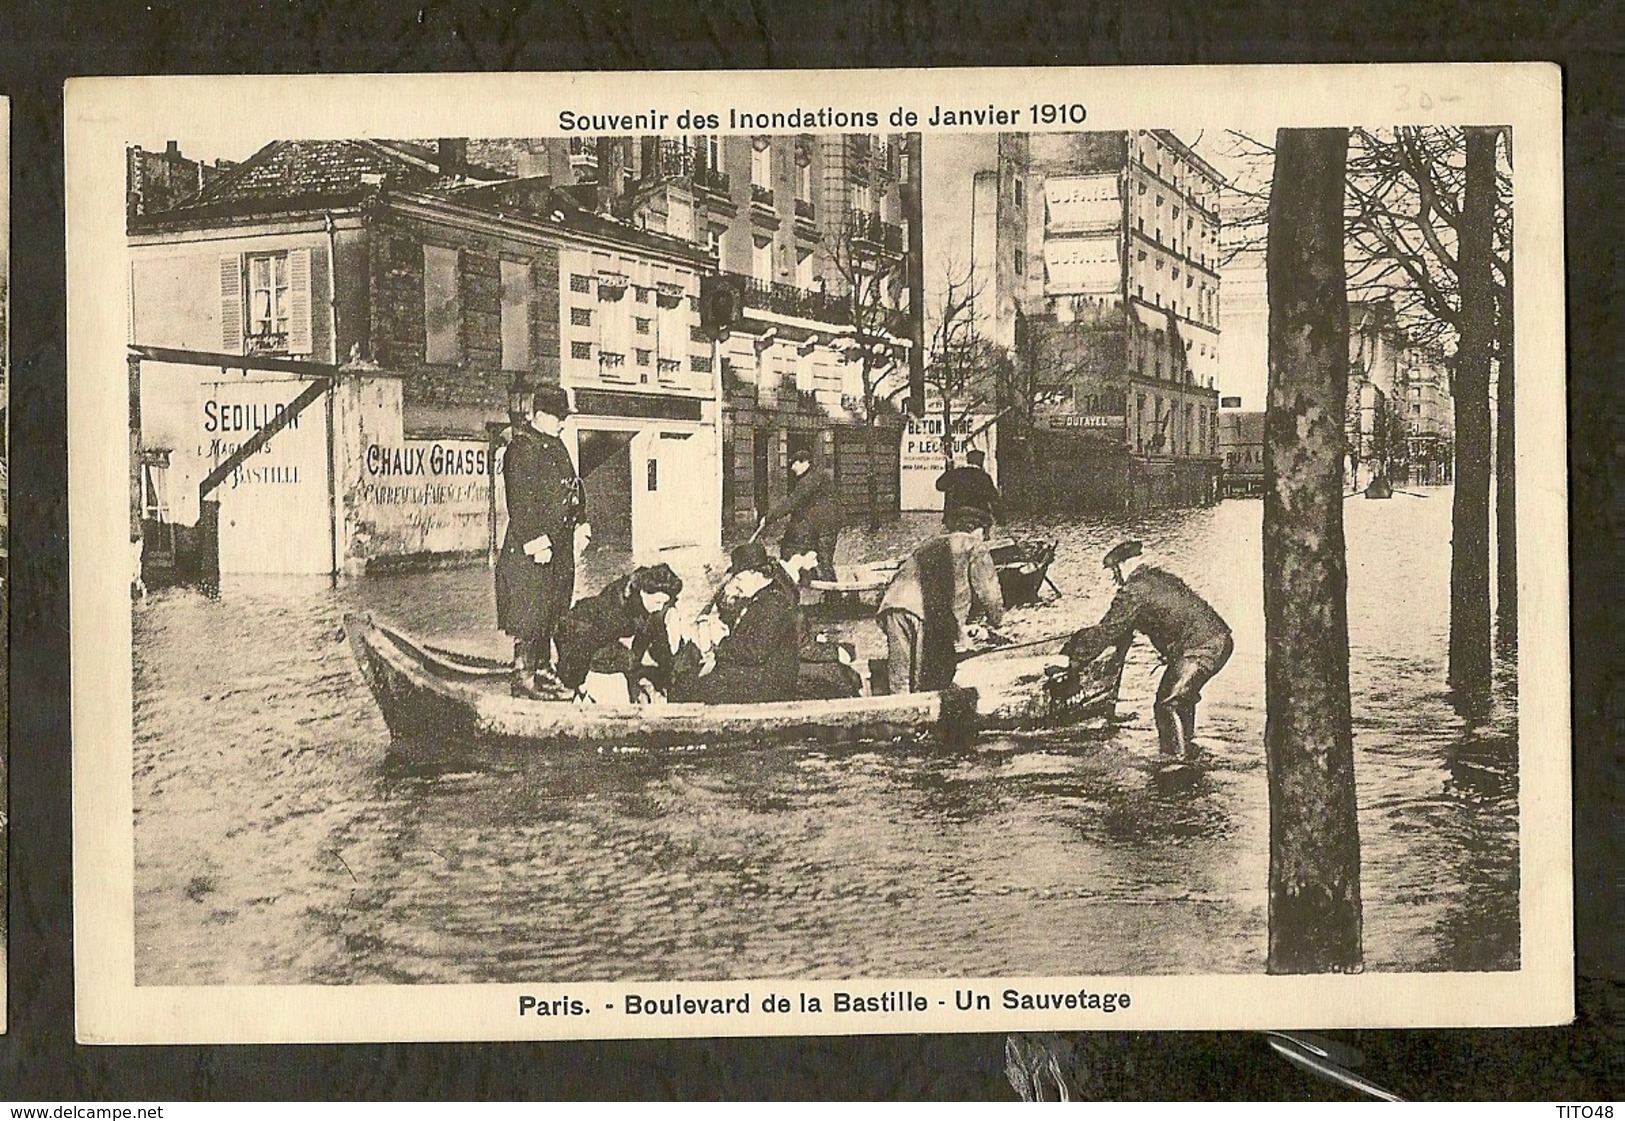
<point>299,301</point>
<point>231,303</point>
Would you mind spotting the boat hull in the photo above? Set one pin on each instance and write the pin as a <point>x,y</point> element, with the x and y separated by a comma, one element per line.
<point>427,695</point>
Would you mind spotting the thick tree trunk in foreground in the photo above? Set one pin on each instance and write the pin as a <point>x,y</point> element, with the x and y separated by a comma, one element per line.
<point>1506,487</point>
<point>1314,889</point>
<point>1470,517</point>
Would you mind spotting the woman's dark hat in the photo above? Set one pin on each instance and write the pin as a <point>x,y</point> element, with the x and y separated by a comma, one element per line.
<point>750,555</point>
<point>552,400</point>
<point>1121,553</point>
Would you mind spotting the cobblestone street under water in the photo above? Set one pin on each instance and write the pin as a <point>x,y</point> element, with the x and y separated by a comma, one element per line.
<point>280,839</point>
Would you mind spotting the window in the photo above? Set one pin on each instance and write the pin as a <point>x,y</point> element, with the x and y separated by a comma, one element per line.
<point>441,319</point>
<point>580,283</point>
<point>268,300</point>
<point>804,270</point>
<point>580,350</point>
<point>761,163</point>
<point>761,260</point>
<point>711,152</point>
<point>1020,195</point>
<point>515,315</point>
<point>644,357</point>
<point>862,197</point>
<point>641,295</point>
<point>700,364</point>
<point>580,317</point>
<point>1021,262</point>
<point>804,179</point>
<point>713,241</point>
<point>642,324</point>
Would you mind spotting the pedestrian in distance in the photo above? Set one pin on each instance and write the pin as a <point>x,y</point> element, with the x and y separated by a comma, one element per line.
<point>927,609</point>
<point>970,488</point>
<point>813,507</point>
<point>621,630</point>
<point>536,571</point>
<point>1193,640</point>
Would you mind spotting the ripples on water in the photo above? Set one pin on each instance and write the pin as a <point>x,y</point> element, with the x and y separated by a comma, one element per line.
<point>280,839</point>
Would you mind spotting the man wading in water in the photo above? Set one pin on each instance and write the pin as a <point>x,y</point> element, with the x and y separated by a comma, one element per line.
<point>1191,637</point>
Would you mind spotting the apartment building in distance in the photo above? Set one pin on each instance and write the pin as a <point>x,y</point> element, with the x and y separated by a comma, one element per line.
<point>788,225</point>
<point>1103,254</point>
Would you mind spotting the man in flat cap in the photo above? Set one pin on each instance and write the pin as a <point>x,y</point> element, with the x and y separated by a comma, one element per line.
<point>547,506</point>
<point>1191,637</point>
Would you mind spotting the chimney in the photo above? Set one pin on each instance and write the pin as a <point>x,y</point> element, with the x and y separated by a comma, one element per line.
<point>611,173</point>
<point>453,155</point>
<point>173,149</point>
<point>532,160</point>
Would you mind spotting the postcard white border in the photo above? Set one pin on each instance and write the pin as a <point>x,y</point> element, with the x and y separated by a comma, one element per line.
<point>103,114</point>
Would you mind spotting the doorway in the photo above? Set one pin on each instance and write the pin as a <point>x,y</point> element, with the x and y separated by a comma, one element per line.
<point>604,459</point>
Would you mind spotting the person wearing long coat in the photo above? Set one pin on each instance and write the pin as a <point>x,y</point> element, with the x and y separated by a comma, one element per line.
<point>760,658</point>
<point>536,571</point>
<point>813,508</point>
<point>592,636</point>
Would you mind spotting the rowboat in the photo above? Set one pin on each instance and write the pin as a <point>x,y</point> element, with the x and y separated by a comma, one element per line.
<point>1023,568</point>
<point>430,694</point>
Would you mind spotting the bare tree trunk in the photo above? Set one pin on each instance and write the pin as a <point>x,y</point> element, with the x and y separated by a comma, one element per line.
<point>872,471</point>
<point>1506,486</point>
<point>1470,518</point>
<point>1314,911</point>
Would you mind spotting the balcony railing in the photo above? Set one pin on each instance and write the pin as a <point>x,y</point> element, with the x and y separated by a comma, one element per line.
<point>805,210</point>
<point>676,160</point>
<point>787,299</point>
<point>760,195</point>
<point>867,226</point>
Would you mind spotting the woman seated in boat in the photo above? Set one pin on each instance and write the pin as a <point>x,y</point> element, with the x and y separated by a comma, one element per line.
<point>621,630</point>
<point>757,638</point>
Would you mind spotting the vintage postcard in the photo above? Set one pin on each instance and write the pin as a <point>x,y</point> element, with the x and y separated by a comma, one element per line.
<point>674,554</point>
<point>5,545</point>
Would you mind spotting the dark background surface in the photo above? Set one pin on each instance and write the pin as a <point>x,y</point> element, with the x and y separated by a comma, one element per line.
<point>41,45</point>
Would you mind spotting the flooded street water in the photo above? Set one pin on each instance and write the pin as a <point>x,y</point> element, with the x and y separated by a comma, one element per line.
<point>280,839</point>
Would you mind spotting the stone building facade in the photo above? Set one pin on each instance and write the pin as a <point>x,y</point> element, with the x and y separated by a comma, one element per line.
<point>430,285</point>
<point>1104,249</point>
<point>790,223</point>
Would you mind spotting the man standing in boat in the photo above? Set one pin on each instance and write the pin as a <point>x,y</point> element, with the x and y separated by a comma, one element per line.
<point>1191,637</point>
<point>536,570</point>
<point>814,509</point>
<point>926,611</point>
<point>970,488</point>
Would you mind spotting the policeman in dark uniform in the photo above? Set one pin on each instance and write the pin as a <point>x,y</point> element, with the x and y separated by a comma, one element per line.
<point>536,571</point>
<point>1191,637</point>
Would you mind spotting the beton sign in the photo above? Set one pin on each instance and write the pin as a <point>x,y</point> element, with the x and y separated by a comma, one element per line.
<point>922,457</point>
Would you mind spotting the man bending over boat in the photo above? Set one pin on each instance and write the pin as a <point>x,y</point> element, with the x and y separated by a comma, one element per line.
<point>926,611</point>
<point>757,658</point>
<point>1191,637</point>
<point>620,631</point>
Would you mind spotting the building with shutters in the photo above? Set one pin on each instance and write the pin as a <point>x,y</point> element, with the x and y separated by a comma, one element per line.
<point>787,222</point>
<point>1096,255</point>
<point>435,285</point>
